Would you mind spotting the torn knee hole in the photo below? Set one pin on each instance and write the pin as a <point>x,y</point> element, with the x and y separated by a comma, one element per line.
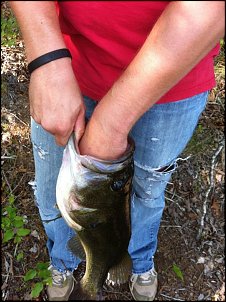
<point>168,168</point>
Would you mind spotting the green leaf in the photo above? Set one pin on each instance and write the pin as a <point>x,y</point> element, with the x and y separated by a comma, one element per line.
<point>11,212</point>
<point>17,239</point>
<point>8,235</point>
<point>11,198</point>
<point>42,265</point>
<point>19,218</point>
<point>44,274</point>
<point>5,222</point>
<point>20,256</point>
<point>23,232</point>
<point>30,275</point>
<point>48,281</point>
<point>178,272</point>
<point>18,222</point>
<point>37,290</point>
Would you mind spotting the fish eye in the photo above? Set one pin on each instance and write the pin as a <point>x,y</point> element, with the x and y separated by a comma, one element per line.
<point>117,185</point>
<point>93,225</point>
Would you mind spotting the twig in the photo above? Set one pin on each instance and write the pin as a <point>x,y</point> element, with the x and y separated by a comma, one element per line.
<point>170,226</point>
<point>18,119</point>
<point>8,157</point>
<point>173,201</point>
<point>12,190</point>
<point>198,278</point>
<point>221,145</point>
<point>3,173</point>
<point>171,298</point>
<point>19,276</point>
<point>14,254</point>
<point>7,270</point>
<point>18,183</point>
<point>11,263</point>
<point>6,296</point>
<point>174,194</point>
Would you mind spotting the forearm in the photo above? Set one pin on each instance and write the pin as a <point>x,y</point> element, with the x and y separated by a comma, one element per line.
<point>59,111</point>
<point>39,25</point>
<point>183,35</point>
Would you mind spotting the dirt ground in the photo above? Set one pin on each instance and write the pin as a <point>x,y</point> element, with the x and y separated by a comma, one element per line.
<point>192,230</point>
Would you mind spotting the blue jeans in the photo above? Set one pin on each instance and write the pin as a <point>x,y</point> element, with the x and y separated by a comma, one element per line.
<point>160,135</point>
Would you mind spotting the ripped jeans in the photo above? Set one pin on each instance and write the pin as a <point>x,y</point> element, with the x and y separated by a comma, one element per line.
<point>160,135</point>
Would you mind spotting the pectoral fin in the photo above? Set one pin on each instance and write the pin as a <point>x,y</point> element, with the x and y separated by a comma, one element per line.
<point>75,246</point>
<point>120,273</point>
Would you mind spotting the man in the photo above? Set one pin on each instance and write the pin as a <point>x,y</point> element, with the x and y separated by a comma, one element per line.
<point>142,68</point>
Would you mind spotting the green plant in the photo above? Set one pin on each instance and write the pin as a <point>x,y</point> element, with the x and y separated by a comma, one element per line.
<point>20,256</point>
<point>39,272</point>
<point>178,272</point>
<point>12,224</point>
<point>9,27</point>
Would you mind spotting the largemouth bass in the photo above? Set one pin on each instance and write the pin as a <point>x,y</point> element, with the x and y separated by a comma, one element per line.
<point>93,197</point>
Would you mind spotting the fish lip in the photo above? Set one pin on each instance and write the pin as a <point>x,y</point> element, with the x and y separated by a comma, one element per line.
<point>102,165</point>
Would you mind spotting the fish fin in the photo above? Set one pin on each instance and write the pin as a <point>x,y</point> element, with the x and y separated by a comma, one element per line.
<point>79,293</point>
<point>75,246</point>
<point>120,272</point>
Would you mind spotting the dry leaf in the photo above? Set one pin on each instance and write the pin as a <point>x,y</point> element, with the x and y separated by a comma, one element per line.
<point>216,208</point>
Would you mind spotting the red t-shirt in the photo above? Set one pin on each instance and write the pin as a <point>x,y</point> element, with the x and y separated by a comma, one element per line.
<point>104,37</point>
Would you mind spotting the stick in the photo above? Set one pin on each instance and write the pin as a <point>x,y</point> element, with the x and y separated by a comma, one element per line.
<point>8,157</point>
<point>176,299</point>
<point>3,173</point>
<point>18,118</point>
<point>221,145</point>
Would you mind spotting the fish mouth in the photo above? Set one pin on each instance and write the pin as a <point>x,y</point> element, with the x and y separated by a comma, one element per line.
<point>100,165</point>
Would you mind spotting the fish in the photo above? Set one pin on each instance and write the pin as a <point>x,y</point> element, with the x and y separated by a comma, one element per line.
<point>94,198</point>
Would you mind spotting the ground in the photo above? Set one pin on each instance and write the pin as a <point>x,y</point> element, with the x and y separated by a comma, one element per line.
<point>191,236</point>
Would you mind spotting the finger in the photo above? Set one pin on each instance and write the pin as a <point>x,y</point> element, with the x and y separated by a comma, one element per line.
<point>34,115</point>
<point>79,127</point>
<point>62,140</point>
<point>36,118</point>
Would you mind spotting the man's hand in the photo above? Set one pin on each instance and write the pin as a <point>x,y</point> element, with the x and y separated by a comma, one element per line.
<point>163,60</point>
<point>102,141</point>
<point>55,100</point>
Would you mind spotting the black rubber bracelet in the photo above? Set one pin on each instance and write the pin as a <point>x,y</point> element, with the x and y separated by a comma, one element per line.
<point>48,57</point>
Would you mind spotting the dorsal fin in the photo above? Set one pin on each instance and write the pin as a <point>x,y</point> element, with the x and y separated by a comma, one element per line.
<point>120,272</point>
<point>75,246</point>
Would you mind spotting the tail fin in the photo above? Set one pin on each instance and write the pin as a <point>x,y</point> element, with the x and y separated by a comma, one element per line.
<point>120,273</point>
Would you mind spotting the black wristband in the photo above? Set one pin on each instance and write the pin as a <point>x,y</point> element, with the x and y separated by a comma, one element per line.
<point>48,57</point>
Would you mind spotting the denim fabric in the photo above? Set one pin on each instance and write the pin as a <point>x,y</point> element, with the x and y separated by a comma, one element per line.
<point>160,135</point>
